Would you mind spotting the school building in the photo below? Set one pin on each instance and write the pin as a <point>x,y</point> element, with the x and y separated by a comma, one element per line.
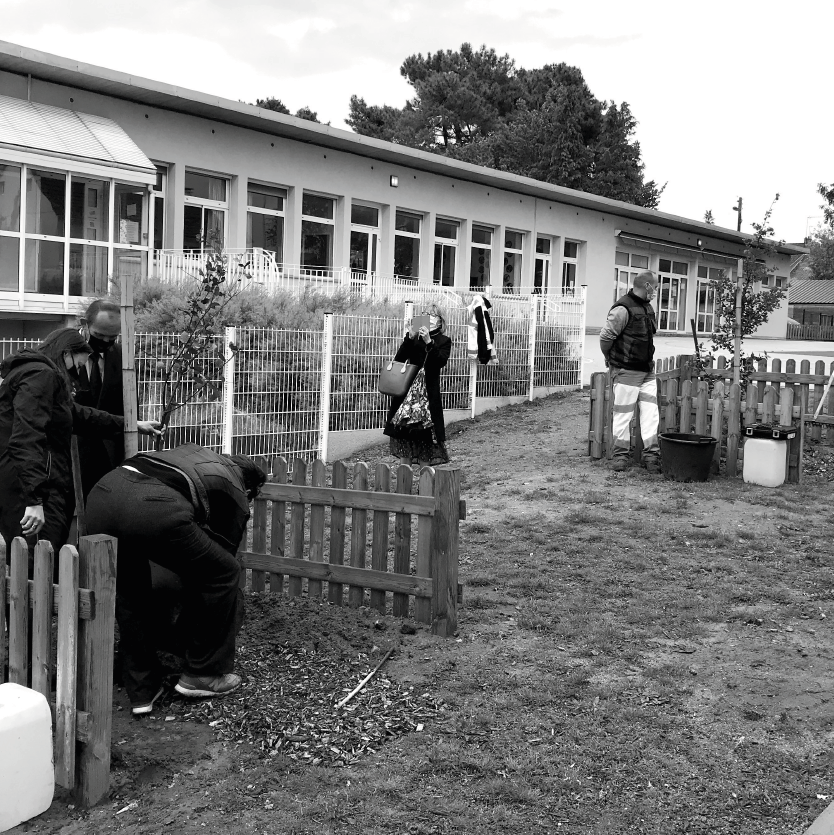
<point>102,172</point>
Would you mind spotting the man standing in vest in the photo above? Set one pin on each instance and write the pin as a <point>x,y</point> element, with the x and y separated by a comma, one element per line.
<point>186,509</point>
<point>627,342</point>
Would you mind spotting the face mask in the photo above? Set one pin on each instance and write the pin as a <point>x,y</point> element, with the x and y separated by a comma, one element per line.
<point>100,346</point>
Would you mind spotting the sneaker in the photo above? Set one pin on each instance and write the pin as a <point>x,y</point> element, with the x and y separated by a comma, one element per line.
<point>653,465</point>
<point>620,464</point>
<point>145,708</point>
<point>205,687</point>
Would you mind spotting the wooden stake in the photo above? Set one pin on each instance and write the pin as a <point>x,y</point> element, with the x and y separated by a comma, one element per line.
<point>129,397</point>
<point>365,680</point>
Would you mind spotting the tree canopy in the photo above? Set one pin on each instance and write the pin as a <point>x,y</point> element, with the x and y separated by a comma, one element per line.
<point>278,106</point>
<point>545,123</point>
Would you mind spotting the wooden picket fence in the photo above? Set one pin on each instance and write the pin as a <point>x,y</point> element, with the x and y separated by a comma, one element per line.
<point>75,675</point>
<point>773,395</point>
<point>289,541</point>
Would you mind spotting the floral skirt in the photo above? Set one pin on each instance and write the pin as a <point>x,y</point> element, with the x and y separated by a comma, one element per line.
<point>425,450</point>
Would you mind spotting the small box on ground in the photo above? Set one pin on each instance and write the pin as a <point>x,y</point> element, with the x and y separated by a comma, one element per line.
<point>765,430</point>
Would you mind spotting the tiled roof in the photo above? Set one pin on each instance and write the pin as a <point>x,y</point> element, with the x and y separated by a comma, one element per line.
<point>811,292</point>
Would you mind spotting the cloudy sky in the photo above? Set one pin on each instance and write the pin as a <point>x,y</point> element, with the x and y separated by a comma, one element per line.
<point>729,95</point>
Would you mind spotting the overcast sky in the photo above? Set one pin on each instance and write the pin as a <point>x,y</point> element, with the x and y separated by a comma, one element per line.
<point>729,96</point>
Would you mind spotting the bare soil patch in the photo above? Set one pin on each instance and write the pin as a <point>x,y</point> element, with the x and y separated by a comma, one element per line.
<point>634,656</point>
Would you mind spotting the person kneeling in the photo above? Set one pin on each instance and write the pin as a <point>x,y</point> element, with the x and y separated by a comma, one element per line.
<point>185,509</point>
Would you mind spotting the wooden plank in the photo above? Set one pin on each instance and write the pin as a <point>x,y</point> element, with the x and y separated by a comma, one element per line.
<point>379,542</point>
<point>337,532</point>
<point>803,407</point>
<point>751,404</point>
<point>97,571</point>
<point>86,600</point>
<point>356,577</point>
<point>364,500</point>
<point>733,428</point>
<point>319,479</point>
<point>259,516</point>
<point>769,405</point>
<point>297,515</point>
<point>422,607</point>
<point>717,431</point>
<point>828,409</point>
<point>402,539</point>
<point>790,370</point>
<point>278,530</point>
<point>67,653</point>
<point>784,378</point>
<point>819,388</point>
<point>3,603</point>
<point>671,410</point>
<point>596,448</point>
<point>686,407</point>
<point>19,613</point>
<point>358,532</point>
<point>701,407</point>
<point>803,391</point>
<point>42,619</point>
<point>444,552</point>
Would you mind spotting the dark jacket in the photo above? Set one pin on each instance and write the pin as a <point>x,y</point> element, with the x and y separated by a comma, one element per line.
<point>634,347</point>
<point>432,357</point>
<point>37,419</point>
<point>100,455</point>
<point>216,489</point>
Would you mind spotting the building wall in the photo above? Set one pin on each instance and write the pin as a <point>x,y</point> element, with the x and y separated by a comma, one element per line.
<point>183,141</point>
<point>809,314</point>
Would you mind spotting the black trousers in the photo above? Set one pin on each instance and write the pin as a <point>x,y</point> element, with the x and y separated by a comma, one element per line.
<point>155,522</point>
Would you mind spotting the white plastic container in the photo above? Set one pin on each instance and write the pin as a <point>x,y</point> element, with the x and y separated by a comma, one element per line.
<point>27,772</point>
<point>765,461</point>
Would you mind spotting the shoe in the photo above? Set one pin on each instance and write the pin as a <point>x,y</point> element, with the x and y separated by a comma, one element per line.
<point>620,464</point>
<point>653,465</point>
<point>205,687</point>
<point>144,708</point>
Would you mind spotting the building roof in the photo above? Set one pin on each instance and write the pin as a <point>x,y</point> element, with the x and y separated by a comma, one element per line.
<point>56,69</point>
<point>54,131</point>
<point>812,292</point>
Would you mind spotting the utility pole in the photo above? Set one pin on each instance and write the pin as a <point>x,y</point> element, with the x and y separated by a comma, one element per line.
<point>738,209</point>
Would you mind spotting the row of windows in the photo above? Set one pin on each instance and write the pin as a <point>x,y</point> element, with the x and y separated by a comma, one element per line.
<point>207,205</point>
<point>671,300</point>
<point>73,231</point>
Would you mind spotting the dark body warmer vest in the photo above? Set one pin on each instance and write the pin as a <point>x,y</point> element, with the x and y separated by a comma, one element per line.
<point>634,347</point>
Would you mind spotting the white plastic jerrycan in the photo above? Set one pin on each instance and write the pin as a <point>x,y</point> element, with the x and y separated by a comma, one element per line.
<point>27,772</point>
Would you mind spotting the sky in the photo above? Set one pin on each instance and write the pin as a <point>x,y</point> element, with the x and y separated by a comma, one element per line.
<point>726,94</point>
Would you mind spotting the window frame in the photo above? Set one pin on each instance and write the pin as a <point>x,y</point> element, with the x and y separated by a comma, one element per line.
<point>318,269</point>
<point>403,233</point>
<point>253,186</point>
<point>478,246</point>
<point>569,280</point>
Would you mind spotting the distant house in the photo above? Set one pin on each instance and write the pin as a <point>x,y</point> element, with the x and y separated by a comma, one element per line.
<point>812,303</point>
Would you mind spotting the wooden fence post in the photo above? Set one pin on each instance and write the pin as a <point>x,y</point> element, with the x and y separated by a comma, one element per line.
<point>2,602</point>
<point>733,428</point>
<point>19,613</point>
<point>597,420</point>
<point>608,437</point>
<point>66,691</point>
<point>97,572</point>
<point>444,551</point>
<point>379,541</point>
<point>42,619</point>
<point>337,531</point>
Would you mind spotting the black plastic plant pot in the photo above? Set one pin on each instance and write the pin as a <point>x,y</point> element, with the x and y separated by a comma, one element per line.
<point>686,457</point>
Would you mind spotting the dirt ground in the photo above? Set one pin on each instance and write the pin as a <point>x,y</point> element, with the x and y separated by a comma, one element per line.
<point>726,670</point>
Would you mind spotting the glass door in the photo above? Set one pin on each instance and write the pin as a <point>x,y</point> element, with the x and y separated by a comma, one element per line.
<point>203,227</point>
<point>363,249</point>
<point>671,296</point>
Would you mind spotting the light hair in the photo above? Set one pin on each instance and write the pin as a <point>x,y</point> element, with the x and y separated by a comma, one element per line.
<point>430,308</point>
<point>644,278</point>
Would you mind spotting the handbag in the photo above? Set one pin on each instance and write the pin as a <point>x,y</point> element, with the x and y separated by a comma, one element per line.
<point>396,378</point>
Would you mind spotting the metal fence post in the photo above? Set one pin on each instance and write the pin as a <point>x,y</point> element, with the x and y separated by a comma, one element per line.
<point>228,410</point>
<point>326,377</point>
<point>582,320</point>
<point>534,315</point>
<point>473,383</point>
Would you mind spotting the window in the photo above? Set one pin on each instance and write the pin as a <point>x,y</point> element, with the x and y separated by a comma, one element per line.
<point>480,259</point>
<point>407,245</point>
<point>72,232</point>
<point>705,320</point>
<point>624,279</point>
<point>513,244</point>
<point>364,241</point>
<point>317,232</point>
<point>781,281</point>
<point>265,219</point>
<point>157,208</point>
<point>445,249</point>
<point>671,296</point>
<point>827,320</point>
<point>541,273</point>
<point>205,210</point>
<point>570,259</point>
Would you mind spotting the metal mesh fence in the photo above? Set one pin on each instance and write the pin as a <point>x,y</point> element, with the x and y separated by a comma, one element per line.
<point>560,340</point>
<point>12,346</point>
<point>277,392</point>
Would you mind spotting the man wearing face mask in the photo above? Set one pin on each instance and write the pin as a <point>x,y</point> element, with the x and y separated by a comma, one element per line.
<point>100,387</point>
